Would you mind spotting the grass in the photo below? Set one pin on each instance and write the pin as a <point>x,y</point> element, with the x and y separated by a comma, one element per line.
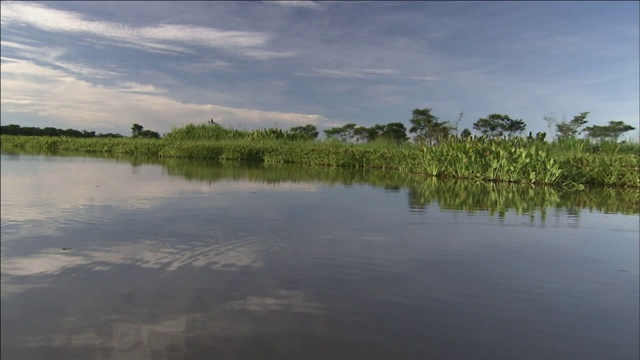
<point>574,164</point>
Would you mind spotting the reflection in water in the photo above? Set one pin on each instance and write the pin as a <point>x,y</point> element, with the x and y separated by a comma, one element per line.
<point>450,195</point>
<point>148,254</point>
<point>199,260</point>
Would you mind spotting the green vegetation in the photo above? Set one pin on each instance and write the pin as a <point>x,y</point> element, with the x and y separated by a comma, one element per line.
<point>510,160</point>
<point>428,128</point>
<point>498,125</point>
<point>498,156</point>
<point>216,132</point>
<point>137,131</point>
<point>50,131</point>
<point>571,129</point>
<point>612,132</point>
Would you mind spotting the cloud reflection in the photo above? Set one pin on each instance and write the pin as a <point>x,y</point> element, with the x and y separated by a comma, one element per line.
<point>280,300</point>
<point>239,253</point>
<point>71,186</point>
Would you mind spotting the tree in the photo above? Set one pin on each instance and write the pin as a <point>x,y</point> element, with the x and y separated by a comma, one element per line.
<point>551,121</point>
<point>344,133</point>
<point>455,124</point>
<point>88,134</point>
<point>394,132</point>
<point>465,134</point>
<point>569,130</point>
<point>427,127</point>
<point>365,134</point>
<point>496,125</point>
<point>149,134</point>
<point>309,132</point>
<point>613,131</point>
<point>13,129</point>
<point>136,129</point>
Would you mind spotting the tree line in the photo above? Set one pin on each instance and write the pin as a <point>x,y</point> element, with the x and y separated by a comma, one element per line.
<point>426,127</point>
<point>51,131</point>
<point>429,129</point>
<point>137,130</point>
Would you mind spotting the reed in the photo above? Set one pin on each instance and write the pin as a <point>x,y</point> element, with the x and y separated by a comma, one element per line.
<point>508,160</point>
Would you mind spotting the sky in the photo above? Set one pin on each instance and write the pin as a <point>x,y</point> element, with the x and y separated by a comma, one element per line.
<point>103,66</point>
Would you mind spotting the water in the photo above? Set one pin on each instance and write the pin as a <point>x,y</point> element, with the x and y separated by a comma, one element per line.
<point>121,259</point>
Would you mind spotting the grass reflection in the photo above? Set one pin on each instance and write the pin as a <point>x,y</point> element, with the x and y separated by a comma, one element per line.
<point>422,191</point>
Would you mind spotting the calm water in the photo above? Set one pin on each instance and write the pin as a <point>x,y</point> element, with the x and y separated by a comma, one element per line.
<point>116,259</point>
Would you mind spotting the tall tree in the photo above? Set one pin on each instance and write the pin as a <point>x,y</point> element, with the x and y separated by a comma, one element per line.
<point>613,131</point>
<point>569,130</point>
<point>427,127</point>
<point>309,132</point>
<point>497,125</point>
<point>366,135</point>
<point>136,129</point>
<point>394,132</point>
<point>148,134</point>
<point>344,133</point>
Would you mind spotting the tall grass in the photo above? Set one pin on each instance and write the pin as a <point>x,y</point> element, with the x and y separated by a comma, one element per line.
<point>569,164</point>
<point>584,146</point>
<point>217,132</point>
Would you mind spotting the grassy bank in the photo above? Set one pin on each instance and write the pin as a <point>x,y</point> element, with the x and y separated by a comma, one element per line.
<point>515,160</point>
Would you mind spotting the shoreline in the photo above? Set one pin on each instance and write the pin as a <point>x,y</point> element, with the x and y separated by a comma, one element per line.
<point>511,161</point>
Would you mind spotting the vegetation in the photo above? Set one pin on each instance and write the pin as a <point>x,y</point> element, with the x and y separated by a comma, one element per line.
<point>137,130</point>
<point>454,195</point>
<point>509,160</point>
<point>50,131</point>
<point>498,155</point>
<point>613,131</point>
<point>428,128</point>
<point>216,132</point>
<point>309,132</point>
<point>571,129</point>
<point>498,125</point>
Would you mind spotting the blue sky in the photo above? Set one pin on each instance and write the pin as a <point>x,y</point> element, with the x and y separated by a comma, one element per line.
<point>104,65</point>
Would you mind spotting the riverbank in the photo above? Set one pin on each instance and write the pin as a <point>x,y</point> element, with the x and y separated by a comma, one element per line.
<point>516,160</point>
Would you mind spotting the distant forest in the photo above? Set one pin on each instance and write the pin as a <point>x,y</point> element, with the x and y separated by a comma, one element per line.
<point>49,131</point>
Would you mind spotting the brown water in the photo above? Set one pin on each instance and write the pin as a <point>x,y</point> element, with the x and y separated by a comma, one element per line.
<point>106,259</point>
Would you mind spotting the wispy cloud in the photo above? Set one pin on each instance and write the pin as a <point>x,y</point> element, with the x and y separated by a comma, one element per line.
<point>165,37</point>
<point>205,67</point>
<point>266,54</point>
<point>364,74</point>
<point>31,88</point>
<point>134,87</point>
<point>292,3</point>
<point>51,56</point>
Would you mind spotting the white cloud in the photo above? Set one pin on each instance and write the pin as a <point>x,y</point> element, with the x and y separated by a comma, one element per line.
<point>380,71</point>
<point>293,3</point>
<point>266,54</point>
<point>152,38</point>
<point>336,73</point>
<point>364,74</point>
<point>205,67</point>
<point>134,87</point>
<point>51,56</point>
<point>31,88</point>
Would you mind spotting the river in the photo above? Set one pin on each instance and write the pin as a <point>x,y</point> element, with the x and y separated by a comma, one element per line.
<point>106,258</point>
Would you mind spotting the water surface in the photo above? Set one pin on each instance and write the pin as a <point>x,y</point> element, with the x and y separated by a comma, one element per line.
<point>122,259</point>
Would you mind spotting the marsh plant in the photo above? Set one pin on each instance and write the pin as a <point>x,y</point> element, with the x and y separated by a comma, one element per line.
<point>574,163</point>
